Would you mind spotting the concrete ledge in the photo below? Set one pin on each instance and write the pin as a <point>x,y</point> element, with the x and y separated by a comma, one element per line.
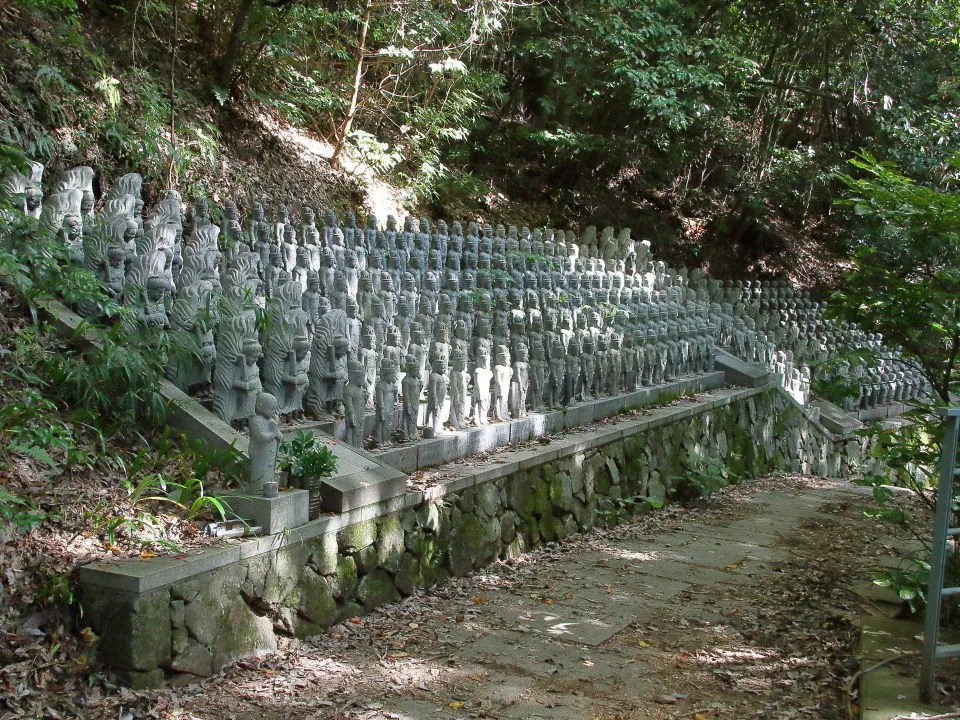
<point>369,487</point>
<point>836,420</point>
<point>289,509</point>
<point>453,445</point>
<point>739,372</point>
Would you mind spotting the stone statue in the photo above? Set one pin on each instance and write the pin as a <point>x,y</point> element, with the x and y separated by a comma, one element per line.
<point>411,388</point>
<point>482,379</point>
<point>520,382</point>
<point>25,190</point>
<point>385,403</point>
<point>355,403</point>
<point>287,351</point>
<point>502,375</point>
<point>236,377</point>
<point>265,437</point>
<point>437,407</point>
<point>459,399</point>
<point>192,322</point>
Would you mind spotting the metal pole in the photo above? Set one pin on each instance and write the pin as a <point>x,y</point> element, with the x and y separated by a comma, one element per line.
<point>931,627</point>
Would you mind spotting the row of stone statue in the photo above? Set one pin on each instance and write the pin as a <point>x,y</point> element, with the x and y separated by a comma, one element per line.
<point>786,331</point>
<point>267,305</point>
<point>533,318</point>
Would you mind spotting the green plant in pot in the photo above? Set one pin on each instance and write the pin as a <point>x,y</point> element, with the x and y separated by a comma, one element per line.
<point>307,460</point>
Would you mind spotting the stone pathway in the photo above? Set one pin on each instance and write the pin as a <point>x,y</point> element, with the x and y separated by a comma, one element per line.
<point>571,638</point>
<point>738,608</point>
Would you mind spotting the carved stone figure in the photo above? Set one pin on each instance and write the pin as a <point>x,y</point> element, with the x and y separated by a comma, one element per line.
<point>437,407</point>
<point>265,437</point>
<point>459,398</point>
<point>385,403</point>
<point>355,403</point>
<point>411,389</point>
<point>502,375</point>
<point>236,378</point>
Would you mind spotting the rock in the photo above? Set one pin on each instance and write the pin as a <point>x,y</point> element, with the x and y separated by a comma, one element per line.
<point>195,659</point>
<point>317,603</point>
<point>428,517</point>
<point>508,526</point>
<point>324,558</point>
<point>390,543</point>
<point>466,501</point>
<point>520,495</point>
<point>176,613</point>
<point>561,491</point>
<point>488,500</point>
<point>141,680</point>
<point>468,546</point>
<point>357,536</point>
<point>376,589</point>
<point>408,519</point>
<point>242,634</point>
<point>366,559</point>
<point>408,574</point>
<point>613,470</point>
<point>344,580</point>
<point>137,633</point>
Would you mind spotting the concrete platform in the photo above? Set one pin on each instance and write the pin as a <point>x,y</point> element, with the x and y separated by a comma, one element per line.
<point>454,445</point>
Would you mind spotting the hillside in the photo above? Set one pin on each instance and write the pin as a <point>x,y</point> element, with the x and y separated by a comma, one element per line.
<point>713,131</point>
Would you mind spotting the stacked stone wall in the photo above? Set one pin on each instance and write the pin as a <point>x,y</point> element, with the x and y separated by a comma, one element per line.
<point>193,627</point>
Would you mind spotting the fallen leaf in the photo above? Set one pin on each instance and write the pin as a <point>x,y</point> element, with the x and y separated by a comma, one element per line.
<point>146,555</point>
<point>669,698</point>
<point>457,704</point>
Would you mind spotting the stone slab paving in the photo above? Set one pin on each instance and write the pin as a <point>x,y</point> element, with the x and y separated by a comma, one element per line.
<point>562,642</point>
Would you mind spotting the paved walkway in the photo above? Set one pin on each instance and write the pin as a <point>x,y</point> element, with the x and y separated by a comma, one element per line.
<point>742,607</point>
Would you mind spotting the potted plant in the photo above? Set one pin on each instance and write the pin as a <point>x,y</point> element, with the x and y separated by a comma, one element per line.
<point>307,460</point>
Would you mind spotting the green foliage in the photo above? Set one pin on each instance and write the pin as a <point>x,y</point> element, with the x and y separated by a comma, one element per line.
<point>908,458</point>
<point>909,582</point>
<point>19,514</point>
<point>306,456</point>
<point>702,477</point>
<point>905,279</point>
<point>188,496</point>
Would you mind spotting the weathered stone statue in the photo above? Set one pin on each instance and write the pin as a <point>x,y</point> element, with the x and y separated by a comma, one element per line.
<point>437,407</point>
<point>236,378</point>
<point>385,403</point>
<point>459,398</point>
<point>520,382</point>
<point>265,437</point>
<point>26,190</point>
<point>355,402</point>
<point>287,351</point>
<point>192,322</point>
<point>502,375</point>
<point>61,214</point>
<point>411,389</point>
<point>482,379</point>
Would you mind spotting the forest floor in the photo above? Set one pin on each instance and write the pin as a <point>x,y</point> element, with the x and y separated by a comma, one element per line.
<point>743,605</point>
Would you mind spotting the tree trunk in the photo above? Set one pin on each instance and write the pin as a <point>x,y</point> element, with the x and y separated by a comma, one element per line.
<point>355,96</point>
<point>231,54</point>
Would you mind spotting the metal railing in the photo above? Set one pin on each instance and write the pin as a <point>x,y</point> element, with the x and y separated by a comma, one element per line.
<point>942,532</point>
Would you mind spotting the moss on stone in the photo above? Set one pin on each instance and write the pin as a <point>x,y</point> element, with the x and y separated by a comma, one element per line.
<point>407,577</point>
<point>344,580</point>
<point>390,545</point>
<point>376,589</point>
<point>317,603</point>
<point>357,536</point>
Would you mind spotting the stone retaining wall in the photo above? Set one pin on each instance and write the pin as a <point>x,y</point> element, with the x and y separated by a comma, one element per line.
<point>173,620</point>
